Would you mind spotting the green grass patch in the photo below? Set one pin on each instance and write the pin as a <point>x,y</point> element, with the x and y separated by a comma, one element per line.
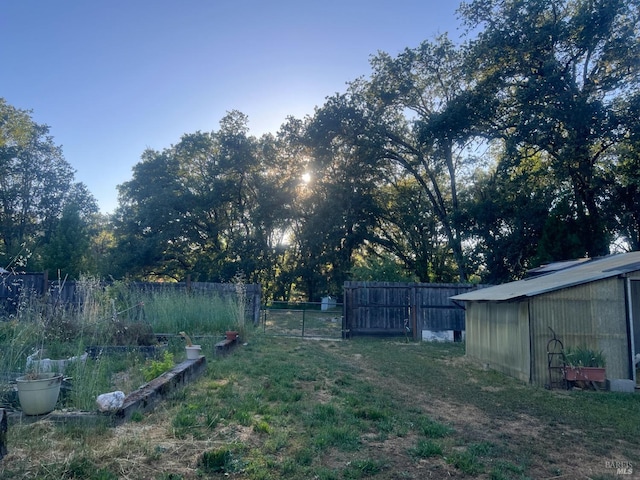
<point>426,449</point>
<point>466,462</point>
<point>364,468</point>
<point>217,461</point>
<point>289,408</point>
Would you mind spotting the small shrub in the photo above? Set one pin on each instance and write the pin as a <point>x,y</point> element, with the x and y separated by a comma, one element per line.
<point>342,437</point>
<point>158,367</point>
<point>370,413</point>
<point>186,418</point>
<point>484,449</point>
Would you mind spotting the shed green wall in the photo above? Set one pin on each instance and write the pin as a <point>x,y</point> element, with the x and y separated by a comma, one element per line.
<point>512,337</point>
<point>592,315</point>
<point>497,334</point>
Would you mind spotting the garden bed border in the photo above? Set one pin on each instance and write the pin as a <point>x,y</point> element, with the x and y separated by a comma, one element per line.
<point>142,400</point>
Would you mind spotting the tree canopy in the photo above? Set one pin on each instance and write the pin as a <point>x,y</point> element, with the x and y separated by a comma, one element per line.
<point>450,162</point>
<point>36,188</point>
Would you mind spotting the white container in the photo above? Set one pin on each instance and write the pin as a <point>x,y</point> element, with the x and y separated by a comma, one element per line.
<point>193,352</point>
<point>39,396</point>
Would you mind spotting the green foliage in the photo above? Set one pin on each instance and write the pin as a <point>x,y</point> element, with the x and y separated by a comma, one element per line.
<point>262,426</point>
<point>136,417</point>
<point>204,207</point>
<point>106,317</point>
<point>37,185</point>
<point>381,268</point>
<point>582,356</point>
<point>67,251</point>
<point>84,468</point>
<point>155,368</point>
<point>546,91</point>
<point>572,119</point>
<point>95,376</point>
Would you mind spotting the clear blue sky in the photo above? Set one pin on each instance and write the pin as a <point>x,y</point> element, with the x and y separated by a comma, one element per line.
<point>114,77</point>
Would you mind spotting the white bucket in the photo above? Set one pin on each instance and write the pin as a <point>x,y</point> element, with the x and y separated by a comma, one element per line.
<point>193,352</point>
<point>39,396</point>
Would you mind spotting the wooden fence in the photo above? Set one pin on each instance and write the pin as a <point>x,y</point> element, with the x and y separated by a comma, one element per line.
<point>13,286</point>
<point>386,308</point>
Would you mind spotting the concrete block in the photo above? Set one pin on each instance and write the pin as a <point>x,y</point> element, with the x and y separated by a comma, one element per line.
<point>622,385</point>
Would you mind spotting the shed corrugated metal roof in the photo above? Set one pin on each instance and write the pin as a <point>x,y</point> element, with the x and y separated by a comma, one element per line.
<point>583,272</point>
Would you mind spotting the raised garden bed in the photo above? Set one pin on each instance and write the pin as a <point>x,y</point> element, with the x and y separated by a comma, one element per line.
<point>142,400</point>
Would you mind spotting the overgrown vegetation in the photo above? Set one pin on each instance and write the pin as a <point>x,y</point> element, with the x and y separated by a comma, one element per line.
<point>110,334</point>
<point>288,408</point>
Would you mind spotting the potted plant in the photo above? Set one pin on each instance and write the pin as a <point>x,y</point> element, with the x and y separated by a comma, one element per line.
<point>38,390</point>
<point>584,364</point>
<point>193,351</point>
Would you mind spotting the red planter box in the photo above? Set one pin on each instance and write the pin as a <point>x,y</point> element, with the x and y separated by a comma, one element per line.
<point>232,335</point>
<point>584,374</point>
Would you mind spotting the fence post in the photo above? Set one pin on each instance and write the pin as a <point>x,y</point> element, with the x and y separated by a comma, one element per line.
<point>3,433</point>
<point>257,300</point>
<point>414,313</point>
<point>264,319</point>
<point>45,283</point>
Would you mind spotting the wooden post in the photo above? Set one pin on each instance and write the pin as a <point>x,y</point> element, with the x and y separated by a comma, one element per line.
<point>3,433</point>
<point>45,282</point>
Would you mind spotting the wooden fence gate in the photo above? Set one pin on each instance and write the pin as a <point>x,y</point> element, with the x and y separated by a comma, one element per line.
<point>387,308</point>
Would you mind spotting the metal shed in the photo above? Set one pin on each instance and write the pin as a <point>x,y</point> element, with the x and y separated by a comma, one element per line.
<point>595,303</point>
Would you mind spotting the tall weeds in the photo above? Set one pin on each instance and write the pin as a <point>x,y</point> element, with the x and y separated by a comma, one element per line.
<point>196,312</point>
<point>116,314</point>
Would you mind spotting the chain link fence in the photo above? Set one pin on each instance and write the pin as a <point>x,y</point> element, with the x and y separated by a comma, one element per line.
<point>302,319</point>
